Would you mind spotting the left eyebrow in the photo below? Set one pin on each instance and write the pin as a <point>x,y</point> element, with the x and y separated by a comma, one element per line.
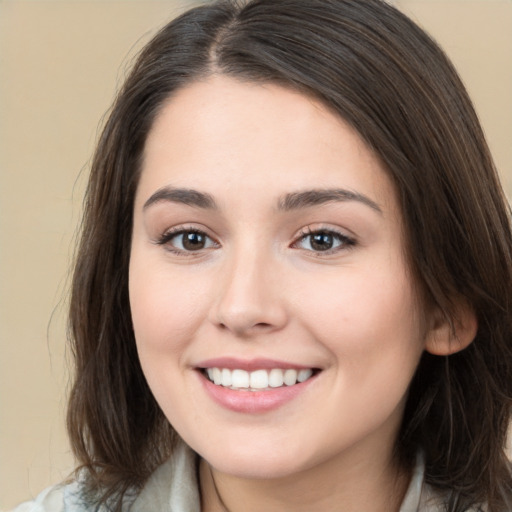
<point>316,197</point>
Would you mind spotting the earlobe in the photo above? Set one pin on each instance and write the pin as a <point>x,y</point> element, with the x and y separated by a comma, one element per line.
<point>447,337</point>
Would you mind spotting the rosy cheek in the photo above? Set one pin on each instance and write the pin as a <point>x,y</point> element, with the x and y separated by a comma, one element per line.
<point>358,308</point>
<point>166,308</point>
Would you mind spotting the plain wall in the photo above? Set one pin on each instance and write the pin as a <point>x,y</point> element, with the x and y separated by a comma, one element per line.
<point>60,65</point>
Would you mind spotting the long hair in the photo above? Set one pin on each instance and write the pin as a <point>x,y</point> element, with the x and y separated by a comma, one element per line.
<point>383,75</point>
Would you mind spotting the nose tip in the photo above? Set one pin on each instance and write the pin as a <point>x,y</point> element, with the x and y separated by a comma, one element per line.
<point>249,302</point>
<point>243,325</point>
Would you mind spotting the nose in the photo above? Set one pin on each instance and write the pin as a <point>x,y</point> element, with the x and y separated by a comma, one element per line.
<point>250,298</point>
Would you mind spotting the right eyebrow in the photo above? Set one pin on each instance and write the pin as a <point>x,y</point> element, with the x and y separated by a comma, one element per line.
<point>183,196</point>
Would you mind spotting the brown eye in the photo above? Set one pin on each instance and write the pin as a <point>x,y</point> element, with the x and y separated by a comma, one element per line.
<point>184,241</point>
<point>324,241</point>
<point>193,241</point>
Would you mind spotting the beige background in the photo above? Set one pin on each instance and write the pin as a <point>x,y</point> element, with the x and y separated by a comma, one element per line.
<point>60,64</point>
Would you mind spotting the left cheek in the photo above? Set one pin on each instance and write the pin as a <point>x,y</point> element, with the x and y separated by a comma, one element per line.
<point>365,320</point>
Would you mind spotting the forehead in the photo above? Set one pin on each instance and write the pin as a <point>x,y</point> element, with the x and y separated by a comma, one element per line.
<point>222,133</point>
<point>208,109</point>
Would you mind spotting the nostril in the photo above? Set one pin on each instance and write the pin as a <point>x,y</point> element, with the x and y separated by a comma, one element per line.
<point>245,330</point>
<point>262,325</point>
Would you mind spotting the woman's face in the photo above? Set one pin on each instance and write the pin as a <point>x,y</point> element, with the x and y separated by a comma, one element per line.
<point>268,256</point>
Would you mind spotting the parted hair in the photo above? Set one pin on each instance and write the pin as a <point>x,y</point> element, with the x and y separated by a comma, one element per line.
<point>381,73</point>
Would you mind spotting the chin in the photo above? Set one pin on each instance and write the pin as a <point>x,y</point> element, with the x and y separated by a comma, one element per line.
<point>256,463</point>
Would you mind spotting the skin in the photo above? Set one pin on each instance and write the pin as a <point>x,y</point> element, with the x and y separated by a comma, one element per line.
<point>258,289</point>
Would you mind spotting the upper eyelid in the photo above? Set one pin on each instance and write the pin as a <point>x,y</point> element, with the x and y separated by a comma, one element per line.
<point>164,238</point>
<point>176,230</point>
<point>308,230</point>
<point>348,241</point>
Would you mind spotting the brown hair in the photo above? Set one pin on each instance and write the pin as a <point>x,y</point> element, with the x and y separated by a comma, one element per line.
<point>381,73</point>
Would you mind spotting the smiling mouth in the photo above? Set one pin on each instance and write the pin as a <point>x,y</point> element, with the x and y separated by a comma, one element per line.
<point>258,380</point>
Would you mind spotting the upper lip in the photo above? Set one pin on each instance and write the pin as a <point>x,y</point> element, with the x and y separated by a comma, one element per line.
<point>249,365</point>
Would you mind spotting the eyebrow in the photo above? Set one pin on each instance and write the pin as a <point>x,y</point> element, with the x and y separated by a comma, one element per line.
<point>289,202</point>
<point>186,196</point>
<point>316,197</point>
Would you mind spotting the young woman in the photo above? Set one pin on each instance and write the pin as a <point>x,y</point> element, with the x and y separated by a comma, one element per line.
<point>294,284</point>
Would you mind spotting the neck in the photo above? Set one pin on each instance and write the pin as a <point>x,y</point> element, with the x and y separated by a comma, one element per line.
<point>348,484</point>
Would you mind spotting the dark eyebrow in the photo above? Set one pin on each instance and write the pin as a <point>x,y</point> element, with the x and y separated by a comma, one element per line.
<point>291,201</point>
<point>307,198</point>
<point>184,196</point>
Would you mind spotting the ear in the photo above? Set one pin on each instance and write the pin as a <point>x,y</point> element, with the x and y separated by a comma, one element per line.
<point>446,337</point>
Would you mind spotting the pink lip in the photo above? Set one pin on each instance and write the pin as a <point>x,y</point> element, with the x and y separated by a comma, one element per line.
<point>253,402</point>
<point>232,363</point>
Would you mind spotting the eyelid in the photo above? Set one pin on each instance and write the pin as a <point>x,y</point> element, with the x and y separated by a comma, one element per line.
<point>175,231</point>
<point>348,241</point>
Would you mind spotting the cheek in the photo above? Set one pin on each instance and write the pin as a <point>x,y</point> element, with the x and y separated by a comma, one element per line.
<point>166,312</point>
<point>368,320</point>
<point>166,308</point>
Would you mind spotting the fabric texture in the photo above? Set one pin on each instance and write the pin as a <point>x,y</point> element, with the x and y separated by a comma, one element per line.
<point>173,488</point>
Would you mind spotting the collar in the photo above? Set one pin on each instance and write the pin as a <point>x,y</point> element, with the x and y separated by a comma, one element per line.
<point>173,487</point>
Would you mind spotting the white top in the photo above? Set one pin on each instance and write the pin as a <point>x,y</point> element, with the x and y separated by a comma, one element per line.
<point>173,488</point>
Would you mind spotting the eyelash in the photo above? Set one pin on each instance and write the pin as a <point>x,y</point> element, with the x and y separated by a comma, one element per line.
<point>172,233</point>
<point>344,242</point>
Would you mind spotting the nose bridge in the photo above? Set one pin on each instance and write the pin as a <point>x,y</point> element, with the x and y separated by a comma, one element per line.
<point>249,299</point>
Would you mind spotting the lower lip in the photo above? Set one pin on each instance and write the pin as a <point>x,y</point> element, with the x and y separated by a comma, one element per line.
<point>253,402</point>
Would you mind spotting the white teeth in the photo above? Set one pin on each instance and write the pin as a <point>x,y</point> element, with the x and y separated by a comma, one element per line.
<point>258,379</point>
<point>304,375</point>
<point>290,377</point>
<point>217,376</point>
<point>240,379</point>
<point>275,378</point>
<point>226,377</point>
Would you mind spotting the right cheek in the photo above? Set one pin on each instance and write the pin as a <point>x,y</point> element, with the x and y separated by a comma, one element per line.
<point>165,315</point>
<point>169,300</point>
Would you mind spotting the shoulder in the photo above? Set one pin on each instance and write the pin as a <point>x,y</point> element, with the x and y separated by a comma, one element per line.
<point>58,498</point>
<point>172,487</point>
<point>421,497</point>
<point>66,497</point>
